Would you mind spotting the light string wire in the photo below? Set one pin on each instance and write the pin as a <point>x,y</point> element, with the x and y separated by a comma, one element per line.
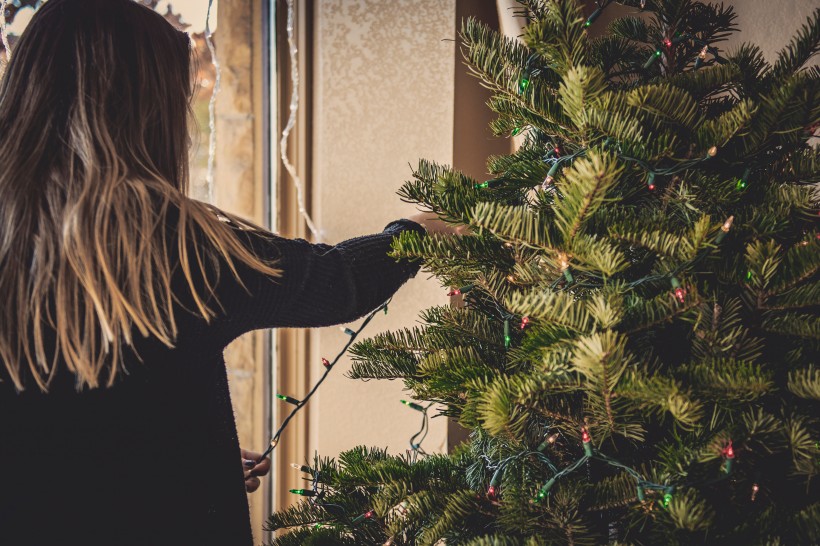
<point>641,483</point>
<point>283,143</point>
<point>707,48</point>
<point>212,104</point>
<point>416,440</point>
<point>318,489</point>
<point>353,334</point>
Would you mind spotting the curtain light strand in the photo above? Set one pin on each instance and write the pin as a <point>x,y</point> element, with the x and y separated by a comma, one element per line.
<point>283,143</point>
<point>212,104</point>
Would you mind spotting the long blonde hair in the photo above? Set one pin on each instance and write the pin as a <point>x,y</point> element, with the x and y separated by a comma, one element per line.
<point>94,109</point>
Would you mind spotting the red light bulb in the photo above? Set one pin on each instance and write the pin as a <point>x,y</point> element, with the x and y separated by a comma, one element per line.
<point>651,187</point>
<point>755,489</point>
<point>585,437</point>
<point>455,292</point>
<point>492,492</point>
<point>680,294</point>
<point>524,322</point>
<point>325,363</point>
<point>729,451</point>
<point>667,42</point>
<point>369,514</point>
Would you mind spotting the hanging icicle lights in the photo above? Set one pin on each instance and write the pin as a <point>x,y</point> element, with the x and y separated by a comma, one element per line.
<point>283,143</point>
<point>212,104</point>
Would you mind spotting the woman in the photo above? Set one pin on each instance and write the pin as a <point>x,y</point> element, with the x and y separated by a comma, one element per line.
<point>120,293</point>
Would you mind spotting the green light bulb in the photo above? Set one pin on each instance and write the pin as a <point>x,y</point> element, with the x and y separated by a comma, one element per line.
<point>413,405</point>
<point>304,492</point>
<point>743,181</point>
<point>523,84</point>
<point>544,491</point>
<point>507,338</point>
<point>288,399</point>
<point>667,498</point>
<point>594,16</point>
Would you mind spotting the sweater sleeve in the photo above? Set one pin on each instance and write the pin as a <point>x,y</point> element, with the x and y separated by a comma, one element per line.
<point>320,285</point>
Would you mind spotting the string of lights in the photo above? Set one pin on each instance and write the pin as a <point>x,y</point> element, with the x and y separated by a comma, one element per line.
<point>642,485</point>
<point>318,490</point>
<point>212,104</point>
<point>317,493</point>
<point>291,123</point>
<point>328,365</point>
<point>416,440</point>
<point>667,43</point>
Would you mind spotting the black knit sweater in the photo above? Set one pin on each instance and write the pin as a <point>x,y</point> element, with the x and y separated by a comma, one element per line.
<point>154,460</point>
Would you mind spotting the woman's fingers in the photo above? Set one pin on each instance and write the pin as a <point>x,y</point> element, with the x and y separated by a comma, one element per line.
<point>251,469</point>
<point>259,468</point>
<point>262,468</point>
<point>252,484</point>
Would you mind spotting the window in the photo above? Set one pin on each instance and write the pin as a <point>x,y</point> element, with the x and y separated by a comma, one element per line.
<point>187,15</point>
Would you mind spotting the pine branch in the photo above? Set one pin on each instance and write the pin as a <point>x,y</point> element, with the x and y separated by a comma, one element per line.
<point>805,383</point>
<point>800,50</point>
<point>584,191</point>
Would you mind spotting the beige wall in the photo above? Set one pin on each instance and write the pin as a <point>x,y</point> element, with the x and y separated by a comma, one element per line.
<point>770,25</point>
<point>383,98</point>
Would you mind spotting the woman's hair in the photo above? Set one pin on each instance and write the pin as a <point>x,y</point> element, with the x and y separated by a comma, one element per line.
<point>94,108</point>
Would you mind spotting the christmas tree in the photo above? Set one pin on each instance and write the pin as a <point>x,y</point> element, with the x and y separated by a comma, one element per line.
<point>636,355</point>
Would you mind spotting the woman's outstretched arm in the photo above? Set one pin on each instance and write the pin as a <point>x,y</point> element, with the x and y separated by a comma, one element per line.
<point>320,284</point>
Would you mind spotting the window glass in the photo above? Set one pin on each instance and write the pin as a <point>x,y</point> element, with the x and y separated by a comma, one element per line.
<point>188,15</point>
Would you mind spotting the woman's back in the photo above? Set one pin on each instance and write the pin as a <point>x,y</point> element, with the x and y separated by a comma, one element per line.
<point>154,459</point>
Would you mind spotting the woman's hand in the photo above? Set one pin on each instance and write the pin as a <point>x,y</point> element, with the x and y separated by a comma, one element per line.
<point>252,469</point>
<point>433,224</point>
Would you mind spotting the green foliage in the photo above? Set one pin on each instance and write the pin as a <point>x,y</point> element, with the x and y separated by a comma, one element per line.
<point>658,230</point>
